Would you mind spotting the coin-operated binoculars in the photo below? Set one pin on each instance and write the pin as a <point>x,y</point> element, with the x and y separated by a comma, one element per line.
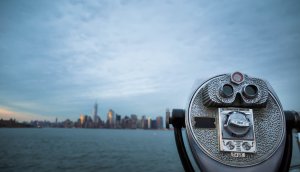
<point>235,123</point>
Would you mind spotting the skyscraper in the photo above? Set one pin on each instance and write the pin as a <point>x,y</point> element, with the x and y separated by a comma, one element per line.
<point>118,121</point>
<point>111,118</point>
<point>149,122</point>
<point>143,122</point>
<point>81,119</point>
<point>153,124</point>
<point>95,112</point>
<point>133,121</point>
<point>168,114</point>
<point>159,122</point>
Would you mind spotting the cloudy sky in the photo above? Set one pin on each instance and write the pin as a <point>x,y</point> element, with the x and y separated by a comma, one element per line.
<point>139,56</point>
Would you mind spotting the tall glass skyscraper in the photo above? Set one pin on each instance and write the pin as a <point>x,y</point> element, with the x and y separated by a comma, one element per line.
<point>96,112</point>
<point>111,118</point>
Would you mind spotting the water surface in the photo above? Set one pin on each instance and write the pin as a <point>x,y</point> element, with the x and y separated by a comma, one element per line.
<point>53,149</point>
<point>88,150</point>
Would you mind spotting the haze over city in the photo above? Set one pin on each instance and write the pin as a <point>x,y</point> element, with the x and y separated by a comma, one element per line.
<point>57,58</point>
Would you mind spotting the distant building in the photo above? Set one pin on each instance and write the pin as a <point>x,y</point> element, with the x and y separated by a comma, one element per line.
<point>143,122</point>
<point>168,113</point>
<point>111,119</point>
<point>68,124</point>
<point>82,120</point>
<point>153,124</point>
<point>133,121</point>
<point>95,113</point>
<point>78,123</point>
<point>85,123</point>
<point>139,123</point>
<point>149,123</point>
<point>159,122</point>
<point>126,122</point>
<point>118,121</point>
<point>90,123</point>
<point>97,122</point>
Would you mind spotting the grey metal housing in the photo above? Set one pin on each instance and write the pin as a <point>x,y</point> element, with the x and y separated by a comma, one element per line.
<point>268,119</point>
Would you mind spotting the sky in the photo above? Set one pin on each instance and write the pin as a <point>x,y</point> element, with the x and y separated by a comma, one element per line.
<point>57,58</point>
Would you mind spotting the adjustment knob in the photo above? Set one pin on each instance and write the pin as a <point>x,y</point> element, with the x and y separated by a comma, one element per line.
<point>237,124</point>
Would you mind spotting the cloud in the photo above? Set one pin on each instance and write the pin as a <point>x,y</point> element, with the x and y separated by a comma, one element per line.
<point>139,57</point>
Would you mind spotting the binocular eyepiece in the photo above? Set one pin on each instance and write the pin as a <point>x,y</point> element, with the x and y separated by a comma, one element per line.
<point>235,122</point>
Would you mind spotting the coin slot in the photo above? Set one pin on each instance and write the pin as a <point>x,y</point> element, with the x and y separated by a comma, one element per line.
<point>205,122</point>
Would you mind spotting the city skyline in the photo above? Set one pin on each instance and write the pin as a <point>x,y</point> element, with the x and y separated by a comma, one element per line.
<point>94,116</point>
<point>59,57</point>
<point>113,121</point>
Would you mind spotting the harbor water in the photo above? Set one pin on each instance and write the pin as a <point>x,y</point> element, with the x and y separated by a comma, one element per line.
<point>52,149</point>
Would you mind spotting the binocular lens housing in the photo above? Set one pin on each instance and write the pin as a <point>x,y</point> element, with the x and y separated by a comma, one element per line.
<point>250,91</point>
<point>226,90</point>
